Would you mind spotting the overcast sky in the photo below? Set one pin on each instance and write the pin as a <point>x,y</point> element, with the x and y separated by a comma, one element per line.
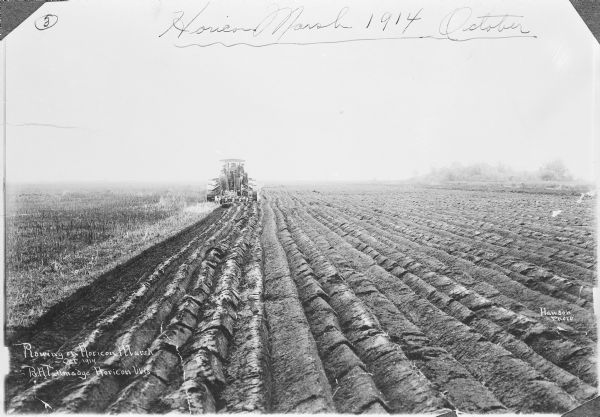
<point>100,96</point>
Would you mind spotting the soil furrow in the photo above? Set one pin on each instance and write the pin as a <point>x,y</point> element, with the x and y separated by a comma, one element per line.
<point>353,388</point>
<point>520,251</point>
<point>372,298</point>
<point>585,322</point>
<point>102,338</point>
<point>463,391</point>
<point>193,354</point>
<point>248,374</point>
<point>535,277</point>
<point>575,358</point>
<point>513,382</point>
<point>405,388</point>
<point>96,393</point>
<point>299,380</point>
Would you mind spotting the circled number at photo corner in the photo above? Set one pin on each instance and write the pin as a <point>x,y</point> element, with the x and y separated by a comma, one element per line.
<point>46,22</point>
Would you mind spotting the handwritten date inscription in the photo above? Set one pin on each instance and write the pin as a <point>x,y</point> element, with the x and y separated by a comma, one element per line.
<point>294,25</point>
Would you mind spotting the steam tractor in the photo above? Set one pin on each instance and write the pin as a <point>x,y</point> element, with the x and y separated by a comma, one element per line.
<point>232,185</point>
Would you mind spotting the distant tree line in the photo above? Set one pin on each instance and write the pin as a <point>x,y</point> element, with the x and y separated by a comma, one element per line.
<point>551,171</point>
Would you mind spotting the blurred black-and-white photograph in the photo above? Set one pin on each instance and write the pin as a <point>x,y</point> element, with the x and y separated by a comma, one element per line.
<point>297,206</point>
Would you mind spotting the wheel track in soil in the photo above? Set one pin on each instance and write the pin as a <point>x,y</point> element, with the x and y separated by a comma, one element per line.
<point>295,304</point>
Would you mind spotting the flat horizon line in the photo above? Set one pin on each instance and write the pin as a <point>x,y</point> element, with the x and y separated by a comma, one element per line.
<point>414,180</point>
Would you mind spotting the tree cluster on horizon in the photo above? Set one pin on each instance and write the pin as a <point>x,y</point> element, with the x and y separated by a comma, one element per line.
<point>551,171</point>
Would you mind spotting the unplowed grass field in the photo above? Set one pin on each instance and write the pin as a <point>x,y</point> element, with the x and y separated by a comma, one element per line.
<point>353,299</point>
<point>61,237</point>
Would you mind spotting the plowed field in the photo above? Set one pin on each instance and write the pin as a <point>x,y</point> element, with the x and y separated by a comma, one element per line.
<point>347,299</point>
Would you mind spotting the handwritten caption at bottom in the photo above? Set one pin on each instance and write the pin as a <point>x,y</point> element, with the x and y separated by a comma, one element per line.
<point>80,362</point>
